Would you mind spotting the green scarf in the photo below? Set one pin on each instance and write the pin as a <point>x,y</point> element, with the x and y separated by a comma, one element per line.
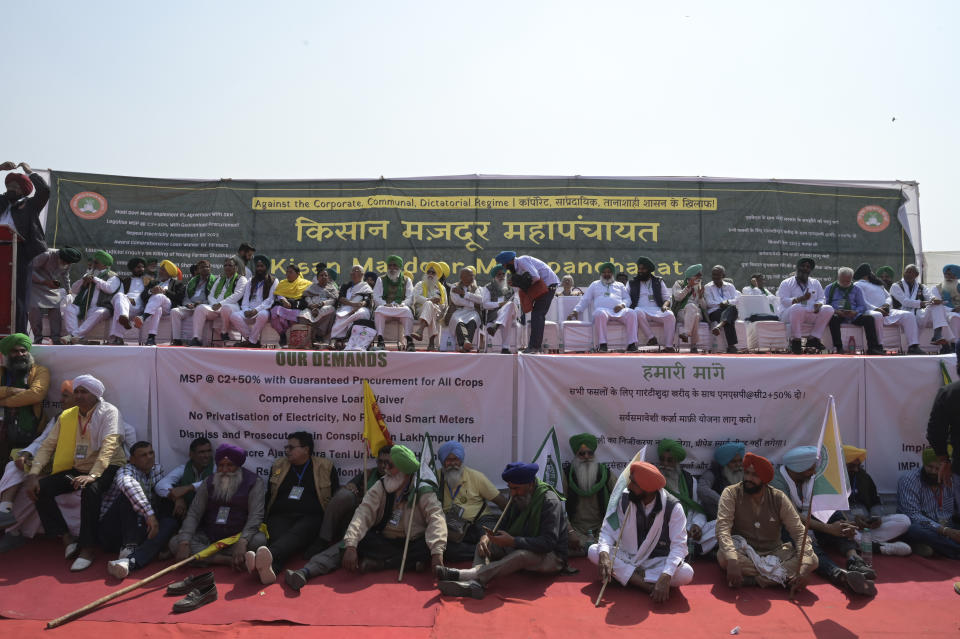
<point>85,296</point>
<point>846,294</point>
<point>21,423</point>
<point>532,513</point>
<point>601,484</point>
<point>190,477</point>
<point>395,289</point>
<point>230,285</point>
<point>683,496</point>
<point>192,284</point>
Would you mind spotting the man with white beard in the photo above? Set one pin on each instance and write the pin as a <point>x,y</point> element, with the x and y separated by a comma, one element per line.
<point>608,300</point>
<point>879,301</point>
<point>924,303</point>
<point>949,291</point>
<point>499,308</point>
<point>229,501</point>
<point>356,296</point>
<point>683,486</point>
<point>588,484</point>
<point>464,317</point>
<point>393,299</point>
<point>465,495</point>
<point>726,469</point>
<point>375,537</point>
<point>429,303</point>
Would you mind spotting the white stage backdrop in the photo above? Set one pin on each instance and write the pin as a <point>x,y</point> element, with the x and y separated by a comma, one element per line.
<point>128,375</point>
<point>900,395</point>
<point>772,404</point>
<point>255,398</point>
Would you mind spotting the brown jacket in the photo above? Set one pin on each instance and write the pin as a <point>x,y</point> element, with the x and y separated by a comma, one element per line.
<point>38,384</point>
<point>428,519</point>
<point>322,469</point>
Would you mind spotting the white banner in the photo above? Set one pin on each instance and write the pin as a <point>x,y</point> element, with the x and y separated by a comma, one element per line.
<point>901,392</point>
<point>256,398</point>
<point>771,403</point>
<point>128,375</point>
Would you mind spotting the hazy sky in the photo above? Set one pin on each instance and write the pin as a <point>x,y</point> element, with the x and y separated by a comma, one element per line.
<point>363,89</point>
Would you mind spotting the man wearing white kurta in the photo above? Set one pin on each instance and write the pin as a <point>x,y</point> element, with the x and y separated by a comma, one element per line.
<point>128,301</point>
<point>429,303</point>
<point>721,298</point>
<point>197,292</point>
<point>256,304</point>
<point>653,544</point>
<point>91,297</point>
<point>878,299</point>
<point>801,300</point>
<point>166,292</point>
<point>393,298</point>
<point>608,300</point>
<point>683,486</point>
<point>321,299</point>
<point>355,300</point>
<point>223,301</point>
<point>923,303</point>
<point>465,299</point>
<point>651,300</point>
<point>500,303</point>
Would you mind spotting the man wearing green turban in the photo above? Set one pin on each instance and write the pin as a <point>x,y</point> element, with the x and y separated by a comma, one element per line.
<point>92,298</point>
<point>50,282</point>
<point>588,487</point>
<point>25,386</point>
<point>933,510</point>
<point>886,275</point>
<point>689,305</point>
<point>393,300</point>
<point>682,485</point>
<point>375,537</point>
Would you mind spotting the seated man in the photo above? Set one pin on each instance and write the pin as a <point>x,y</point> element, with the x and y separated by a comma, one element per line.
<point>197,291</point>
<point>688,305</point>
<point>587,484</point>
<point>653,543</point>
<point>750,519</point>
<point>567,289</point>
<point>878,300</point>
<point>886,274</point>
<point>725,470</point>
<point>320,301</point>
<point>949,291</point>
<point>532,536</point>
<point>375,537</point>
<point>651,301</point>
<point>254,311</point>
<point>721,299</point>
<point>23,389</point>
<point>913,297</point>
<point>933,508</point>
<point>802,300</point>
<point>701,533</point>
<point>608,300</point>
<point>222,301</point>
<point>88,448</point>
<point>230,501</point>
<point>324,553</point>
<point>866,509</point>
<point>181,484</point>
<point>429,304</point>
<point>50,279</point>
<point>465,495</point>
<point>300,488</point>
<point>827,530</point>
<point>356,298</point>
<point>288,302</point>
<point>160,295</point>
<point>92,295</point>
<point>463,314</point>
<point>499,309</point>
<point>756,286</point>
<point>128,301</point>
<point>849,307</point>
<point>393,298</point>
<point>128,519</point>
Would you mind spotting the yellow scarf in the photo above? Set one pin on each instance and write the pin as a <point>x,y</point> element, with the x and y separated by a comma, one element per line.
<point>67,440</point>
<point>292,290</point>
<point>443,292</point>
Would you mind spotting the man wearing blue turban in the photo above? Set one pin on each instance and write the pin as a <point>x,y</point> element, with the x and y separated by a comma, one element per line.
<point>527,274</point>
<point>949,292</point>
<point>725,470</point>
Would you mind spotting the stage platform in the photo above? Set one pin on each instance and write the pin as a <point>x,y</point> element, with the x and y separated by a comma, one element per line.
<point>915,599</point>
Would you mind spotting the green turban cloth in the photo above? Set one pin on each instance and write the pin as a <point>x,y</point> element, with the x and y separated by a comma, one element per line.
<point>404,459</point>
<point>673,447</point>
<point>929,456</point>
<point>70,255</point>
<point>692,270</point>
<point>583,438</point>
<point>9,342</point>
<point>608,265</point>
<point>103,257</point>
<point>332,272</point>
<point>646,261</point>
<point>395,259</point>
<point>885,270</point>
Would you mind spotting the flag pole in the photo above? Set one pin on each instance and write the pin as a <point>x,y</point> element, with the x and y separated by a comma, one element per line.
<point>803,541</point>
<point>406,541</point>
<point>70,616</point>
<point>486,560</point>
<point>616,549</point>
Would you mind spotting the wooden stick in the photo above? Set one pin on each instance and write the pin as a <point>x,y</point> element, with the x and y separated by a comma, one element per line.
<point>803,541</point>
<point>406,541</point>
<point>616,549</point>
<point>59,621</point>
<point>486,560</point>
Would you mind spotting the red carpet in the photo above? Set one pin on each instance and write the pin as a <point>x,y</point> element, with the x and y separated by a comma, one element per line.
<point>916,598</point>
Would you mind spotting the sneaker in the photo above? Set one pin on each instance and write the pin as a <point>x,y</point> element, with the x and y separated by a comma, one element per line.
<point>126,551</point>
<point>895,548</point>
<point>250,561</point>
<point>296,579</point>
<point>445,573</point>
<point>470,588</point>
<point>263,562</point>
<point>119,568</point>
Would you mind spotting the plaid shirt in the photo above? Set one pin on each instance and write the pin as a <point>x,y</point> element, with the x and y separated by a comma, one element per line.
<point>136,486</point>
<point>922,504</point>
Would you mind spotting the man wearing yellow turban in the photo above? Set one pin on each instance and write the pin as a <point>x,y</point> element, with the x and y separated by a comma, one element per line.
<point>161,295</point>
<point>866,509</point>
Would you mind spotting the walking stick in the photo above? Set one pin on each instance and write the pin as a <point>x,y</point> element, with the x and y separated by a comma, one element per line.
<point>616,549</point>
<point>206,552</point>
<point>406,541</point>
<point>486,560</point>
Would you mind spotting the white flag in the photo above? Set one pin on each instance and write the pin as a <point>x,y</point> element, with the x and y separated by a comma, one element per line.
<point>427,475</point>
<point>548,459</point>
<point>612,506</point>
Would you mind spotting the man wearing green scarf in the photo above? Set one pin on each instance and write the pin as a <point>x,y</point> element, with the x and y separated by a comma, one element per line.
<point>689,305</point>
<point>393,300</point>
<point>682,485</point>
<point>849,307</point>
<point>198,289</point>
<point>222,301</point>
<point>587,484</point>
<point>23,387</point>
<point>92,299</point>
<point>532,536</point>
